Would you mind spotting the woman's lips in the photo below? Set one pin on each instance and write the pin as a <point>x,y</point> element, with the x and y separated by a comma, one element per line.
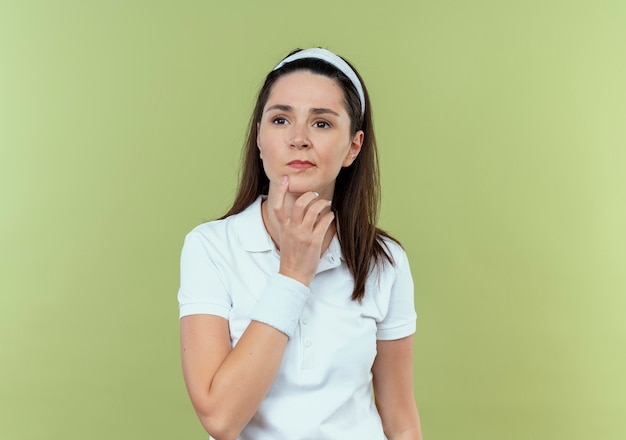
<point>300,164</point>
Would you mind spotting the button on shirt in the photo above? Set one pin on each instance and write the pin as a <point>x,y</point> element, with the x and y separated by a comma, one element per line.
<point>323,389</point>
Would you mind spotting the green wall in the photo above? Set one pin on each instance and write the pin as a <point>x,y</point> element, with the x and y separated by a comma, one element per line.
<point>502,136</point>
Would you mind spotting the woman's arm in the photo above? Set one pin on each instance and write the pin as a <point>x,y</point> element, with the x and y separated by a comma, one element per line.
<point>393,389</point>
<point>226,385</point>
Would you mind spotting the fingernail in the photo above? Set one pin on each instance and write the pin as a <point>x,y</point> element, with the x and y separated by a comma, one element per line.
<point>283,180</point>
<point>316,194</point>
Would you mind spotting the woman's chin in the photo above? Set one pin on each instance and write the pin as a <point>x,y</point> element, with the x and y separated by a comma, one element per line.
<point>300,186</point>
<point>323,193</point>
<point>299,190</point>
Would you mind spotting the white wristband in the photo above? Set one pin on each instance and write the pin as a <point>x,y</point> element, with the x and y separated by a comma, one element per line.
<point>281,304</point>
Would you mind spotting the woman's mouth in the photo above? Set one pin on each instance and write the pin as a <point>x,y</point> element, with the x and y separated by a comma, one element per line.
<point>300,164</point>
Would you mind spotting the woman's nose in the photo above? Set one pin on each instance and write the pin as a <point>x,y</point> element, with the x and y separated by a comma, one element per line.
<point>299,138</point>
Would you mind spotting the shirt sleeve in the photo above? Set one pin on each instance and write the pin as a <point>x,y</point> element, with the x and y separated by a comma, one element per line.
<point>399,321</point>
<point>202,288</point>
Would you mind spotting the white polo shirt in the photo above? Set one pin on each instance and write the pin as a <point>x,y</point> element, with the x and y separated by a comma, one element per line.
<point>323,389</point>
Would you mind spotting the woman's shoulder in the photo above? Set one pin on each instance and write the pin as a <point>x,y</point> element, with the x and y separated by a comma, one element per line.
<point>209,229</point>
<point>228,228</point>
<point>390,245</point>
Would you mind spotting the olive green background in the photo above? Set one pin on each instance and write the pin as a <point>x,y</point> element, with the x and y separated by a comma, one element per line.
<point>502,135</point>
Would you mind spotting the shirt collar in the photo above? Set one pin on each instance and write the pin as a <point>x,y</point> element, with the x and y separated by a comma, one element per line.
<point>253,236</point>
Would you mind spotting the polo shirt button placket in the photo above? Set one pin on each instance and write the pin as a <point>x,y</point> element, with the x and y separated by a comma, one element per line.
<point>307,355</point>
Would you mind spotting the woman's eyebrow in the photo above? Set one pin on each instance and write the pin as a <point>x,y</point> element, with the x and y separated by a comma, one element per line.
<point>281,107</point>
<point>314,111</point>
<point>319,111</point>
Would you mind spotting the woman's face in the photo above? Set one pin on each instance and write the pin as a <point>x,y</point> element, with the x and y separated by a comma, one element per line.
<point>304,133</point>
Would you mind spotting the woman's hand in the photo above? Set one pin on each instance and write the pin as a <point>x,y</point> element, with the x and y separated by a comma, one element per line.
<point>301,233</point>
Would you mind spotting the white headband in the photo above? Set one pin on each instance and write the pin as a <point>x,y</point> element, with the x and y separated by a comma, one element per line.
<point>332,59</point>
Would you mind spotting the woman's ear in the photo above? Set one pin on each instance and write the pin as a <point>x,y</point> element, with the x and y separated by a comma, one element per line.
<point>258,144</point>
<point>355,148</point>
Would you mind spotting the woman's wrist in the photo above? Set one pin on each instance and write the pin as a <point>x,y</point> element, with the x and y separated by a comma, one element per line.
<point>296,276</point>
<point>281,303</point>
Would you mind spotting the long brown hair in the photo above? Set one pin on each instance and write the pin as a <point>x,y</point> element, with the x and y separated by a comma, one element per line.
<point>356,199</point>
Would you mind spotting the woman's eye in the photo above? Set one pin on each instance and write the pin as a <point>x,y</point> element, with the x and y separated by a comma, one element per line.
<point>322,124</point>
<point>279,121</point>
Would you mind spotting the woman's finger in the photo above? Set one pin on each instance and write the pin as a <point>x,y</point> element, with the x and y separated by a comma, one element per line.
<point>302,206</point>
<point>322,225</point>
<point>279,201</point>
<point>315,210</point>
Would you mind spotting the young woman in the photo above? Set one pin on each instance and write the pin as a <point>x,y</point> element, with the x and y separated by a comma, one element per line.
<point>294,306</point>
